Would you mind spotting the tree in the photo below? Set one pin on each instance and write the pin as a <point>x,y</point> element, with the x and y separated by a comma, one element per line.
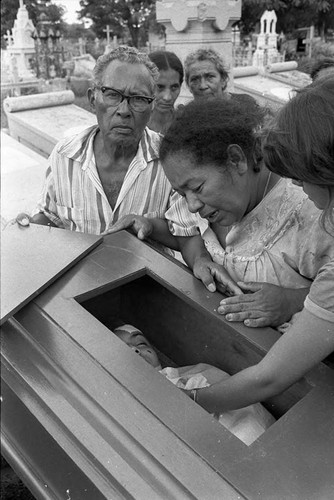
<point>291,14</point>
<point>35,8</point>
<point>325,16</point>
<point>78,30</point>
<point>130,16</point>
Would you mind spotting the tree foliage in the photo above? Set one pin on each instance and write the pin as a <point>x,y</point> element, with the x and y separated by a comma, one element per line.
<point>291,14</point>
<point>131,16</point>
<point>35,8</point>
<point>78,30</point>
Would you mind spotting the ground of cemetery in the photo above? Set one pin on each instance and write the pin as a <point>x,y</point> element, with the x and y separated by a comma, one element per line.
<point>12,487</point>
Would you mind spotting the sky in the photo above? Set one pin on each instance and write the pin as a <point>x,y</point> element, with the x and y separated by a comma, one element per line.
<point>71,6</point>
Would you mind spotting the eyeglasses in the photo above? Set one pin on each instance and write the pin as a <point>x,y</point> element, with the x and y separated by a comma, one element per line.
<point>112,97</point>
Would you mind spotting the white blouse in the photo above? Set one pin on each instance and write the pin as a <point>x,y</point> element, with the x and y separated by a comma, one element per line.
<point>280,241</point>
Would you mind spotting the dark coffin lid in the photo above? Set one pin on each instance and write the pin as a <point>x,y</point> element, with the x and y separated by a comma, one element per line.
<point>33,257</point>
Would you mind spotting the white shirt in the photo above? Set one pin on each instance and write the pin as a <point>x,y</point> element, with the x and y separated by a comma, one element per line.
<point>73,197</point>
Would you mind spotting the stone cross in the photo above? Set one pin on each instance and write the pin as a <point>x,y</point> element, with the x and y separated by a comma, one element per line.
<point>108,31</point>
<point>8,38</point>
<point>82,46</point>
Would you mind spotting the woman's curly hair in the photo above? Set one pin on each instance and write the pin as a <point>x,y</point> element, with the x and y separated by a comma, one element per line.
<point>204,130</point>
<point>206,54</point>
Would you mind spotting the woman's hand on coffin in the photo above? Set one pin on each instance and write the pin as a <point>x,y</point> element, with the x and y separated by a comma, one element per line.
<point>215,277</point>
<point>139,225</point>
<point>264,304</point>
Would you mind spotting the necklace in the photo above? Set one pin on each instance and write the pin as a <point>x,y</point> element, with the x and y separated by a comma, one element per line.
<point>266,186</point>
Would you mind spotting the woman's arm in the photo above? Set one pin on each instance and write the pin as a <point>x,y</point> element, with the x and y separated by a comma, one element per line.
<point>192,248</point>
<point>210,273</point>
<point>299,350</point>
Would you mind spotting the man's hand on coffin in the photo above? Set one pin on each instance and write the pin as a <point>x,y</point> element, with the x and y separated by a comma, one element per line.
<point>22,220</point>
<point>214,276</point>
<point>264,304</point>
<point>146,228</point>
<point>141,226</point>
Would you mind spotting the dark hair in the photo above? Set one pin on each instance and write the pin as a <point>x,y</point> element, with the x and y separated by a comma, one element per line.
<point>206,55</point>
<point>204,130</point>
<point>326,62</point>
<point>300,142</point>
<point>165,60</point>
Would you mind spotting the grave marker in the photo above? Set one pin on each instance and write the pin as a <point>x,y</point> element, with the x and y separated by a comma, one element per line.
<point>41,120</point>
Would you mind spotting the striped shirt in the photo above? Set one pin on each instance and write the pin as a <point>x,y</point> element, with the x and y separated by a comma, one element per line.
<point>73,197</point>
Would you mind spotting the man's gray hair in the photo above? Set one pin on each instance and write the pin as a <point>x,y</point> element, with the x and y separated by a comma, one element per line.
<point>206,55</point>
<point>127,54</point>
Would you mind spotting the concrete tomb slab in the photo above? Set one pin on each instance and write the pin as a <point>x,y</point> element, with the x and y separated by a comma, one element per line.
<point>22,177</point>
<point>39,121</point>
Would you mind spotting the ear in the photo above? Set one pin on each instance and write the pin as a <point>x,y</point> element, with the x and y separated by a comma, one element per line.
<point>91,98</point>
<point>237,157</point>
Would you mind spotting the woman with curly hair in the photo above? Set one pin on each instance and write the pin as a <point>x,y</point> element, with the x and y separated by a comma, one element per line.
<point>300,146</point>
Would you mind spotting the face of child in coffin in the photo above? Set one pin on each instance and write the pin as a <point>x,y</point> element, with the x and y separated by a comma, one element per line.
<point>135,339</point>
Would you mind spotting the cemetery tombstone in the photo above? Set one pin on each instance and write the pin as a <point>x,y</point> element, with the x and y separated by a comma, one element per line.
<point>266,46</point>
<point>194,24</point>
<point>39,121</point>
<point>21,45</point>
<point>22,177</point>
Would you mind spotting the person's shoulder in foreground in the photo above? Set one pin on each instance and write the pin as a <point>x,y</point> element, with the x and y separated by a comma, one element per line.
<point>323,68</point>
<point>320,300</point>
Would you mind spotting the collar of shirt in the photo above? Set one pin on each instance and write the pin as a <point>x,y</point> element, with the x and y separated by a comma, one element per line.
<point>77,148</point>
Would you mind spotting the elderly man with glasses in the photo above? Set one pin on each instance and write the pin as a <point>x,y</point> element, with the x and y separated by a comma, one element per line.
<point>112,169</point>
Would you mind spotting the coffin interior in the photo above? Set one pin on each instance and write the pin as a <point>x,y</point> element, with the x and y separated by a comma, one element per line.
<point>182,333</point>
